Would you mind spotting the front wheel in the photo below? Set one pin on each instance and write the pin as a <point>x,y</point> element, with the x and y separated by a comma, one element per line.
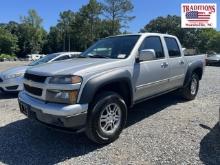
<point>190,91</point>
<point>107,118</point>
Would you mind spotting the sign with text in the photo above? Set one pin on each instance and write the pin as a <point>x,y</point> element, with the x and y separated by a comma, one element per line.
<point>198,15</point>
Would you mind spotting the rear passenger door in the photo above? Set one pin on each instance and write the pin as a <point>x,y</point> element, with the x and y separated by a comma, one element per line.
<point>176,61</point>
<point>152,76</point>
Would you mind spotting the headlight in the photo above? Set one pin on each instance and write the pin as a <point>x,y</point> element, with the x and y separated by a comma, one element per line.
<point>65,80</point>
<point>59,96</point>
<point>14,75</point>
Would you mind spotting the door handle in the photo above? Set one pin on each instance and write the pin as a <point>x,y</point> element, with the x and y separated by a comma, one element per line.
<point>164,65</point>
<point>181,62</point>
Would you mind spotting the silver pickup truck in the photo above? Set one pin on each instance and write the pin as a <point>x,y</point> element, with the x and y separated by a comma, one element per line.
<point>93,92</point>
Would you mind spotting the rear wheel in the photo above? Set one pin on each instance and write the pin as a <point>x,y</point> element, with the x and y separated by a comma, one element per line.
<point>107,118</point>
<point>190,91</point>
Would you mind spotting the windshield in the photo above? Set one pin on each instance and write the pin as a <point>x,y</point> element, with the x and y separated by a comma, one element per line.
<point>113,47</point>
<point>44,59</point>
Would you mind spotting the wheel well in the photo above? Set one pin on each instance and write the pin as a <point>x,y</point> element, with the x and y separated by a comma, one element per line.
<point>122,88</point>
<point>198,71</point>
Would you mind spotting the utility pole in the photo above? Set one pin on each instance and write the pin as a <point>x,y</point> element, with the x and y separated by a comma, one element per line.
<point>69,42</point>
<point>64,42</point>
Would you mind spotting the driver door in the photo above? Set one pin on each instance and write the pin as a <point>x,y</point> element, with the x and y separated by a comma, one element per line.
<point>151,76</point>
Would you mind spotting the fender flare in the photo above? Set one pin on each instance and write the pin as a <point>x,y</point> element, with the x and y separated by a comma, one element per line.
<point>191,68</point>
<point>94,84</point>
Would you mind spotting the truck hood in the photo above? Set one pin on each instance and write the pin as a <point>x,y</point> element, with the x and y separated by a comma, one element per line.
<point>14,70</point>
<point>75,66</point>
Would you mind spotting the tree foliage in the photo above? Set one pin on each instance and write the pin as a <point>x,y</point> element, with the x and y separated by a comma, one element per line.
<point>203,40</point>
<point>31,39</point>
<point>33,19</point>
<point>31,35</point>
<point>117,12</point>
<point>76,31</point>
<point>8,42</point>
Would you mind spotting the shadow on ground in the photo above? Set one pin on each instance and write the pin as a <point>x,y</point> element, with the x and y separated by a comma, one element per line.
<point>150,107</point>
<point>27,142</point>
<point>214,65</point>
<point>8,95</point>
<point>210,146</point>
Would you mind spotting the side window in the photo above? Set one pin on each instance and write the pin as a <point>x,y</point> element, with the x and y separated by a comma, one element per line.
<point>74,55</point>
<point>153,42</point>
<point>62,58</point>
<point>172,46</point>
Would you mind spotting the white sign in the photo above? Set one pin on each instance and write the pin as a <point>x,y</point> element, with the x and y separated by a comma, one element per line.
<point>198,15</point>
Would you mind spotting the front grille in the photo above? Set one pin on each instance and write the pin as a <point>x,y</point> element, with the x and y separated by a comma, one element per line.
<point>1,79</point>
<point>35,78</point>
<point>33,90</point>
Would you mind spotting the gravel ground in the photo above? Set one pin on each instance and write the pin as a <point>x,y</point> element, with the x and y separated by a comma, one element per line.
<point>164,130</point>
<point>6,65</point>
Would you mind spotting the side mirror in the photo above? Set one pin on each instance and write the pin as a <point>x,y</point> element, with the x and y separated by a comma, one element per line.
<point>147,55</point>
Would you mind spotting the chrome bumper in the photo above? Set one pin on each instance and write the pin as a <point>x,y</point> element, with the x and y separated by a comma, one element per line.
<point>54,115</point>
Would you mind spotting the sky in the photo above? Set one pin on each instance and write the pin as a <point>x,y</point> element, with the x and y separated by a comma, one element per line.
<point>144,10</point>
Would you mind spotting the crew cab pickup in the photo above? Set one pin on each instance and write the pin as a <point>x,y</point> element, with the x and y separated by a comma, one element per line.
<point>92,93</point>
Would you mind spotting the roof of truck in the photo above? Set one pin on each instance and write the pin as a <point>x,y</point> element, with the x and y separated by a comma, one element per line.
<point>144,34</point>
<point>67,52</point>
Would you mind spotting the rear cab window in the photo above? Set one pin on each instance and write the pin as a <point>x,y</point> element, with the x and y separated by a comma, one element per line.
<point>173,47</point>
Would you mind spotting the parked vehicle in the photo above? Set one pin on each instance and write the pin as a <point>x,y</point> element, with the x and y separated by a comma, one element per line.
<point>34,57</point>
<point>11,80</point>
<point>213,59</point>
<point>93,92</point>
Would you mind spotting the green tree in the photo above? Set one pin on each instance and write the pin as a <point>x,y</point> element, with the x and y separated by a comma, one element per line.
<point>82,28</point>
<point>12,26</point>
<point>214,43</point>
<point>54,42</point>
<point>30,34</point>
<point>92,12</point>
<point>117,11</point>
<point>87,24</point>
<point>33,19</point>
<point>76,31</point>
<point>105,29</point>
<point>204,40</point>
<point>172,25</point>
<point>66,19</point>
<point>8,42</point>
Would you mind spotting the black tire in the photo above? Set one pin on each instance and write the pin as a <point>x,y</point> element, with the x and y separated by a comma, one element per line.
<point>188,93</point>
<point>94,129</point>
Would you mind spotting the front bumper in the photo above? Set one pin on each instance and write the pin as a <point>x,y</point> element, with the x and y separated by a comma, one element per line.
<point>53,114</point>
<point>12,85</point>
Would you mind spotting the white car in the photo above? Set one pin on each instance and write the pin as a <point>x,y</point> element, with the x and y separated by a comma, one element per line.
<point>33,57</point>
<point>11,80</point>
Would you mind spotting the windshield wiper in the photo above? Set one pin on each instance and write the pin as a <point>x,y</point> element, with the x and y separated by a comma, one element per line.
<point>98,56</point>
